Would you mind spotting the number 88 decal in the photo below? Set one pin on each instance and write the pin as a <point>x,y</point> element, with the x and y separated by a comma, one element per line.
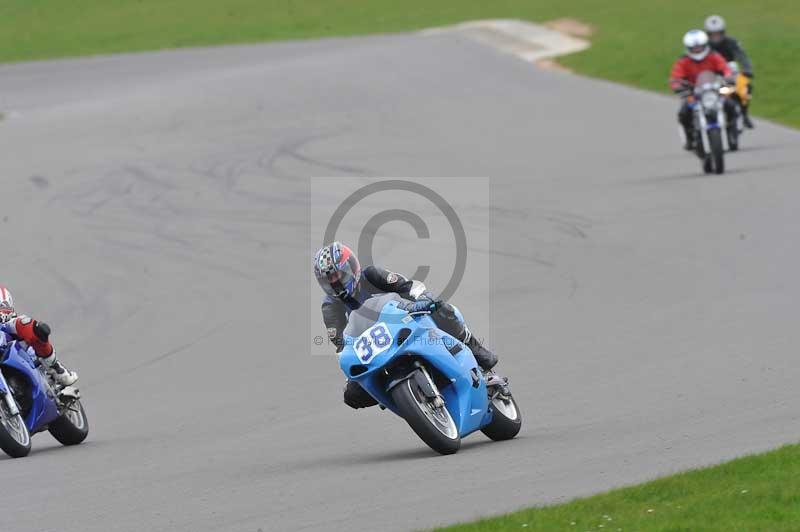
<point>372,342</point>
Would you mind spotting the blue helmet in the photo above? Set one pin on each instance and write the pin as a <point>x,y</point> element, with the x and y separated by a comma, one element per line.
<point>337,270</point>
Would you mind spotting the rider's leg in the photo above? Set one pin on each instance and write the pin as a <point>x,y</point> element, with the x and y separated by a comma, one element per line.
<point>746,108</point>
<point>685,120</point>
<point>37,335</point>
<point>449,319</point>
<point>56,369</point>
<point>357,397</point>
<point>746,117</point>
<point>744,91</point>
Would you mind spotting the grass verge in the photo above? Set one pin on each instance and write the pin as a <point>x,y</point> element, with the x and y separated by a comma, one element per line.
<point>759,492</point>
<point>635,44</point>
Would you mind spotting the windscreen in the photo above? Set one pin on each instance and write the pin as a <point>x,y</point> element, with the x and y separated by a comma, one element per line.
<point>365,317</point>
<point>706,76</point>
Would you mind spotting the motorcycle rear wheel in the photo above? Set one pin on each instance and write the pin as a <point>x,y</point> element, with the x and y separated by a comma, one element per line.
<point>434,425</point>
<point>72,427</point>
<point>15,439</point>
<point>506,419</point>
<point>733,138</point>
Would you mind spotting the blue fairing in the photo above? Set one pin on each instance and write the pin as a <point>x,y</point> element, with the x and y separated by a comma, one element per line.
<point>467,403</point>
<point>43,407</point>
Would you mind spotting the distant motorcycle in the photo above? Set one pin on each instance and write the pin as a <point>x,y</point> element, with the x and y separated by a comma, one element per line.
<point>425,376</point>
<point>716,121</point>
<point>31,401</point>
<point>735,94</point>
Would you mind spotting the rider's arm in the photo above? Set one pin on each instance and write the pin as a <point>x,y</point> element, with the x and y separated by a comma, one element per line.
<point>721,66</point>
<point>335,318</point>
<point>5,338</point>
<point>388,281</point>
<point>741,57</point>
<point>677,79</point>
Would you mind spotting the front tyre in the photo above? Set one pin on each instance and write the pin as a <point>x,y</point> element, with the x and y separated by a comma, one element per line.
<point>506,419</point>
<point>72,427</point>
<point>434,425</point>
<point>15,439</point>
<point>717,153</point>
<point>708,164</point>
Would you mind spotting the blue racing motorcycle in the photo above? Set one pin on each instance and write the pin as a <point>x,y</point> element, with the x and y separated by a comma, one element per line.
<point>425,376</point>
<point>31,401</point>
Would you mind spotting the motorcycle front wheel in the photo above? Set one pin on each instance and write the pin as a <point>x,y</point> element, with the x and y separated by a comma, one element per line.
<point>434,425</point>
<point>15,439</point>
<point>717,153</point>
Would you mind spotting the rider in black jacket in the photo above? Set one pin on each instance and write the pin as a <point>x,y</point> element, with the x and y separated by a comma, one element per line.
<point>731,50</point>
<point>347,286</point>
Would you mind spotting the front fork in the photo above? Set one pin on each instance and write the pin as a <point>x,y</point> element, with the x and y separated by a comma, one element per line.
<point>429,389</point>
<point>722,120</point>
<point>8,397</point>
<point>703,126</point>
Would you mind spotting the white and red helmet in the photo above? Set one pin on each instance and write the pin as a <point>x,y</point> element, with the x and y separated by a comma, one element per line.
<point>7,311</point>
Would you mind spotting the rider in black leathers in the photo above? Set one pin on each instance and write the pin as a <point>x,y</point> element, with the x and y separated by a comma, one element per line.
<point>347,286</point>
<point>730,48</point>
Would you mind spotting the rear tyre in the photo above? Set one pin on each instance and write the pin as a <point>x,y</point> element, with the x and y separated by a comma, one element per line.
<point>434,425</point>
<point>72,427</point>
<point>733,137</point>
<point>15,439</point>
<point>506,419</point>
<point>717,153</point>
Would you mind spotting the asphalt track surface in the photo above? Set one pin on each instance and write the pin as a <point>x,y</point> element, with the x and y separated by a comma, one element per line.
<point>155,210</point>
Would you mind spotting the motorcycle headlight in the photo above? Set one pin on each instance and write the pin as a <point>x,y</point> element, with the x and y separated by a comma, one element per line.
<point>709,100</point>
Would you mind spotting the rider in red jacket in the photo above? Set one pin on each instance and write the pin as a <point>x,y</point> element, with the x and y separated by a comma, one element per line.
<point>698,58</point>
<point>34,333</point>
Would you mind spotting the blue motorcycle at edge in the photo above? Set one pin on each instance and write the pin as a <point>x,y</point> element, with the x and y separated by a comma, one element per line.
<point>425,376</point>
<point>31,401</point>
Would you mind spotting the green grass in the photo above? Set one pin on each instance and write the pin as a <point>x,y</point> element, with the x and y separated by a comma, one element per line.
<point>636,40</point>
<point>755,493</point>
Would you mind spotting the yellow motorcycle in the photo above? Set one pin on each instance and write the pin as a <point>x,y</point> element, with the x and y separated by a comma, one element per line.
<point>739,95</point>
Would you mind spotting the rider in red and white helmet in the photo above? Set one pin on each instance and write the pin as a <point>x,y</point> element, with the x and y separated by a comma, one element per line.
<point>34,333</point>
<point>698,58</point>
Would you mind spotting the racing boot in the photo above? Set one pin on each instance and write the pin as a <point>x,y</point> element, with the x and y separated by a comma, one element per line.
<point>746,118</point>
<point>357,397</point>
<point>56,369</point>
<point>496,383</point>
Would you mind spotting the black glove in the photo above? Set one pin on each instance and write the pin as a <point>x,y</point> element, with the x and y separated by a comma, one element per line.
<point>420,305</point>
<point>41,330</point>
<point>436,305</point>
